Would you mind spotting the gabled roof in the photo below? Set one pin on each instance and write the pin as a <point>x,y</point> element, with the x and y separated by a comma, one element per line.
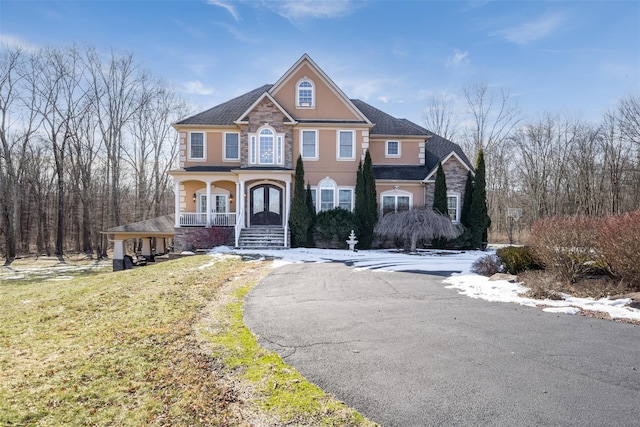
<point>160,226</point>
<point>288,117</point>
<point>386,124</point>
<point>306,60</point>
<point>227,112</point>
<point>438,149</point>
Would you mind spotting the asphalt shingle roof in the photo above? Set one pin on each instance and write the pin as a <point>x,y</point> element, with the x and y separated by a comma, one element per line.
<point>400,172</point>
<point>386,124</point>
<point>160,225</point>
<point>227,112</point>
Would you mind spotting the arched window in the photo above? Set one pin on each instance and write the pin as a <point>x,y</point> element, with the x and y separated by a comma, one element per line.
<point>265,146</point>
<point>327,195</point>
<point>305,96</point>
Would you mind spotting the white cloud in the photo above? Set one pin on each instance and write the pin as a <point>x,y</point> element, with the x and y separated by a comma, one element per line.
<point>294,10</point>
<point>229,8</point>
<point>528,32</point>
<point>458,59</point>
<point>197,88</point>
<point>16,42</point>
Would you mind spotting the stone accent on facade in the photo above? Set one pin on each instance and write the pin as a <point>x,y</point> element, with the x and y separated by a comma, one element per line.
<point>182,152</point>
<point>266,113</point>
<point>456,174</point>
<point>193,238</point>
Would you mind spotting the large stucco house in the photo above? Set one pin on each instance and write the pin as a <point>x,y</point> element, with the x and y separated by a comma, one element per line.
<point>237,159</point>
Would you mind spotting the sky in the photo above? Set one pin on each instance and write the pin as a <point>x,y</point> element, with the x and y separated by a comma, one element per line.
<point>569,57</point>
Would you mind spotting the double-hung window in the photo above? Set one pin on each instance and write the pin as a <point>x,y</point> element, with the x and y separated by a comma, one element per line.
<point>345,198</point>
<point>345,144</point>
<point>453,202</point>
<point>392,149</point>
<point>196,145</point>
<point>231,146</point>
<point>395,203</point>
<point>309,144</point>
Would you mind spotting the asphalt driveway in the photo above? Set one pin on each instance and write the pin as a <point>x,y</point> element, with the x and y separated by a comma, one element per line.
<point>405,351</point>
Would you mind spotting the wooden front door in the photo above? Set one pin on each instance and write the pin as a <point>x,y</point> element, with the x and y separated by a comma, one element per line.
<point>266,205</point>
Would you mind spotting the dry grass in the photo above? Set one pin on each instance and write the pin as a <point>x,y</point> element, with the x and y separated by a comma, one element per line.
<point>120,349</point>
<point>544,284</point>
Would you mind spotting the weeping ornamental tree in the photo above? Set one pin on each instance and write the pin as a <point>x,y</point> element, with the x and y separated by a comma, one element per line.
<point>479,220</point>
<point>415,225</point>
<point>366,208</point>
<point>299,218</point>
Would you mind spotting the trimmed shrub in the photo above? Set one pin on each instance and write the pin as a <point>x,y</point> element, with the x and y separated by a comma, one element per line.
<point>566,246</point>
<point>619,245</point>
<point>487,265</point>
<point>517,259</point>
<point>333,228</point>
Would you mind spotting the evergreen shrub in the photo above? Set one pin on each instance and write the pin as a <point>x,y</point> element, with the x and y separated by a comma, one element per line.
<point>516,259</point>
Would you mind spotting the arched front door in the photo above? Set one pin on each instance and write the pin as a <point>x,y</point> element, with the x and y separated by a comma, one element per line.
<point>266,205</point>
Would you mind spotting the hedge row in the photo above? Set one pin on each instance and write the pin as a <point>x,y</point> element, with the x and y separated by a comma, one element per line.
<point>573,247</point>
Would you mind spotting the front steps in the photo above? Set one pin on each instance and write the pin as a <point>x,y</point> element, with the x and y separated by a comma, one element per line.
<point>262,238</point>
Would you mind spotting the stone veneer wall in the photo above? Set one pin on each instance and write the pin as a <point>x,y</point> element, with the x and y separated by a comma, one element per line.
<point>456,174</point>
<point>190,238</point>
<point>266,112</point>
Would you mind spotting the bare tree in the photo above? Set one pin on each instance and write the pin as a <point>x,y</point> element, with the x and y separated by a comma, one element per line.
<point>63,104</point>
<point>417,224</point>
<point>18,125</point>
<point>438,117</point>
<point>493,117</point>
<point>629,112</point>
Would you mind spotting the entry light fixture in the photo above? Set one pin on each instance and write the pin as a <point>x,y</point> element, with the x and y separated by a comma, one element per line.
<point>231,198</point>
<point>194,197</point>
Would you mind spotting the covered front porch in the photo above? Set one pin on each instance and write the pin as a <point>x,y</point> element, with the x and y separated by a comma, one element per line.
<point>242,199</point>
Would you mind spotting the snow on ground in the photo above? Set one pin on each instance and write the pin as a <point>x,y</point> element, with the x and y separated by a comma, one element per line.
<point>457,264</point>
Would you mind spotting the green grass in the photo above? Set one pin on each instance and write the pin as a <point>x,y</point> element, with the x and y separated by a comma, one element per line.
<point>123,349</point>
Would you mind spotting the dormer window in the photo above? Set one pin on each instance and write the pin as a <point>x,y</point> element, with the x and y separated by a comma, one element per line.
<point>305,96</point>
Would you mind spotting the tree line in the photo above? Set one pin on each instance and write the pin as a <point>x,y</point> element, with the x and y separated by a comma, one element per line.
<point>86,141</point>
<point>553,165</point>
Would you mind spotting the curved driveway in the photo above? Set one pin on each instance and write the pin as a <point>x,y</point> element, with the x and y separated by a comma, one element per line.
<point>405,351</point>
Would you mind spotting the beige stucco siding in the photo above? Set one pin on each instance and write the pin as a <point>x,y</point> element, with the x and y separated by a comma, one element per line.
<point>214,148</point>
<point>409,151</point>
<point>416,190</point>
<point>328,106</point>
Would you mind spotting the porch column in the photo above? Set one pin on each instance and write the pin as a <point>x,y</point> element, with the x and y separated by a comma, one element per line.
<point>176,190</point>
<point>208,205</point>
<point>118,255</point>
<point>160,245</point>
<point>146,249</point>
<point>287,206</point>
<point>240,205</point>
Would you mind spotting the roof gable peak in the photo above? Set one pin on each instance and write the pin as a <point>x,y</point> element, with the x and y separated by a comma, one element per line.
<point>305,60</point>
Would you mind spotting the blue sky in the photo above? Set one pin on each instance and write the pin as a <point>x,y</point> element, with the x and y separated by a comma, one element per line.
<point>575,57</point>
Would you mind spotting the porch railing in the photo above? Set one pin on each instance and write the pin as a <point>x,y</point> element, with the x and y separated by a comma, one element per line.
<point>197,219</point>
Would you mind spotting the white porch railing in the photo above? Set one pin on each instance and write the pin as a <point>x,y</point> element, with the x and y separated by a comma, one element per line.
<point>197,219</point>
<point>223,219</point>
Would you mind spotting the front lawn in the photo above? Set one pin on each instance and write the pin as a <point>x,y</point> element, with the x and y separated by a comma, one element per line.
<point>159,345</point>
